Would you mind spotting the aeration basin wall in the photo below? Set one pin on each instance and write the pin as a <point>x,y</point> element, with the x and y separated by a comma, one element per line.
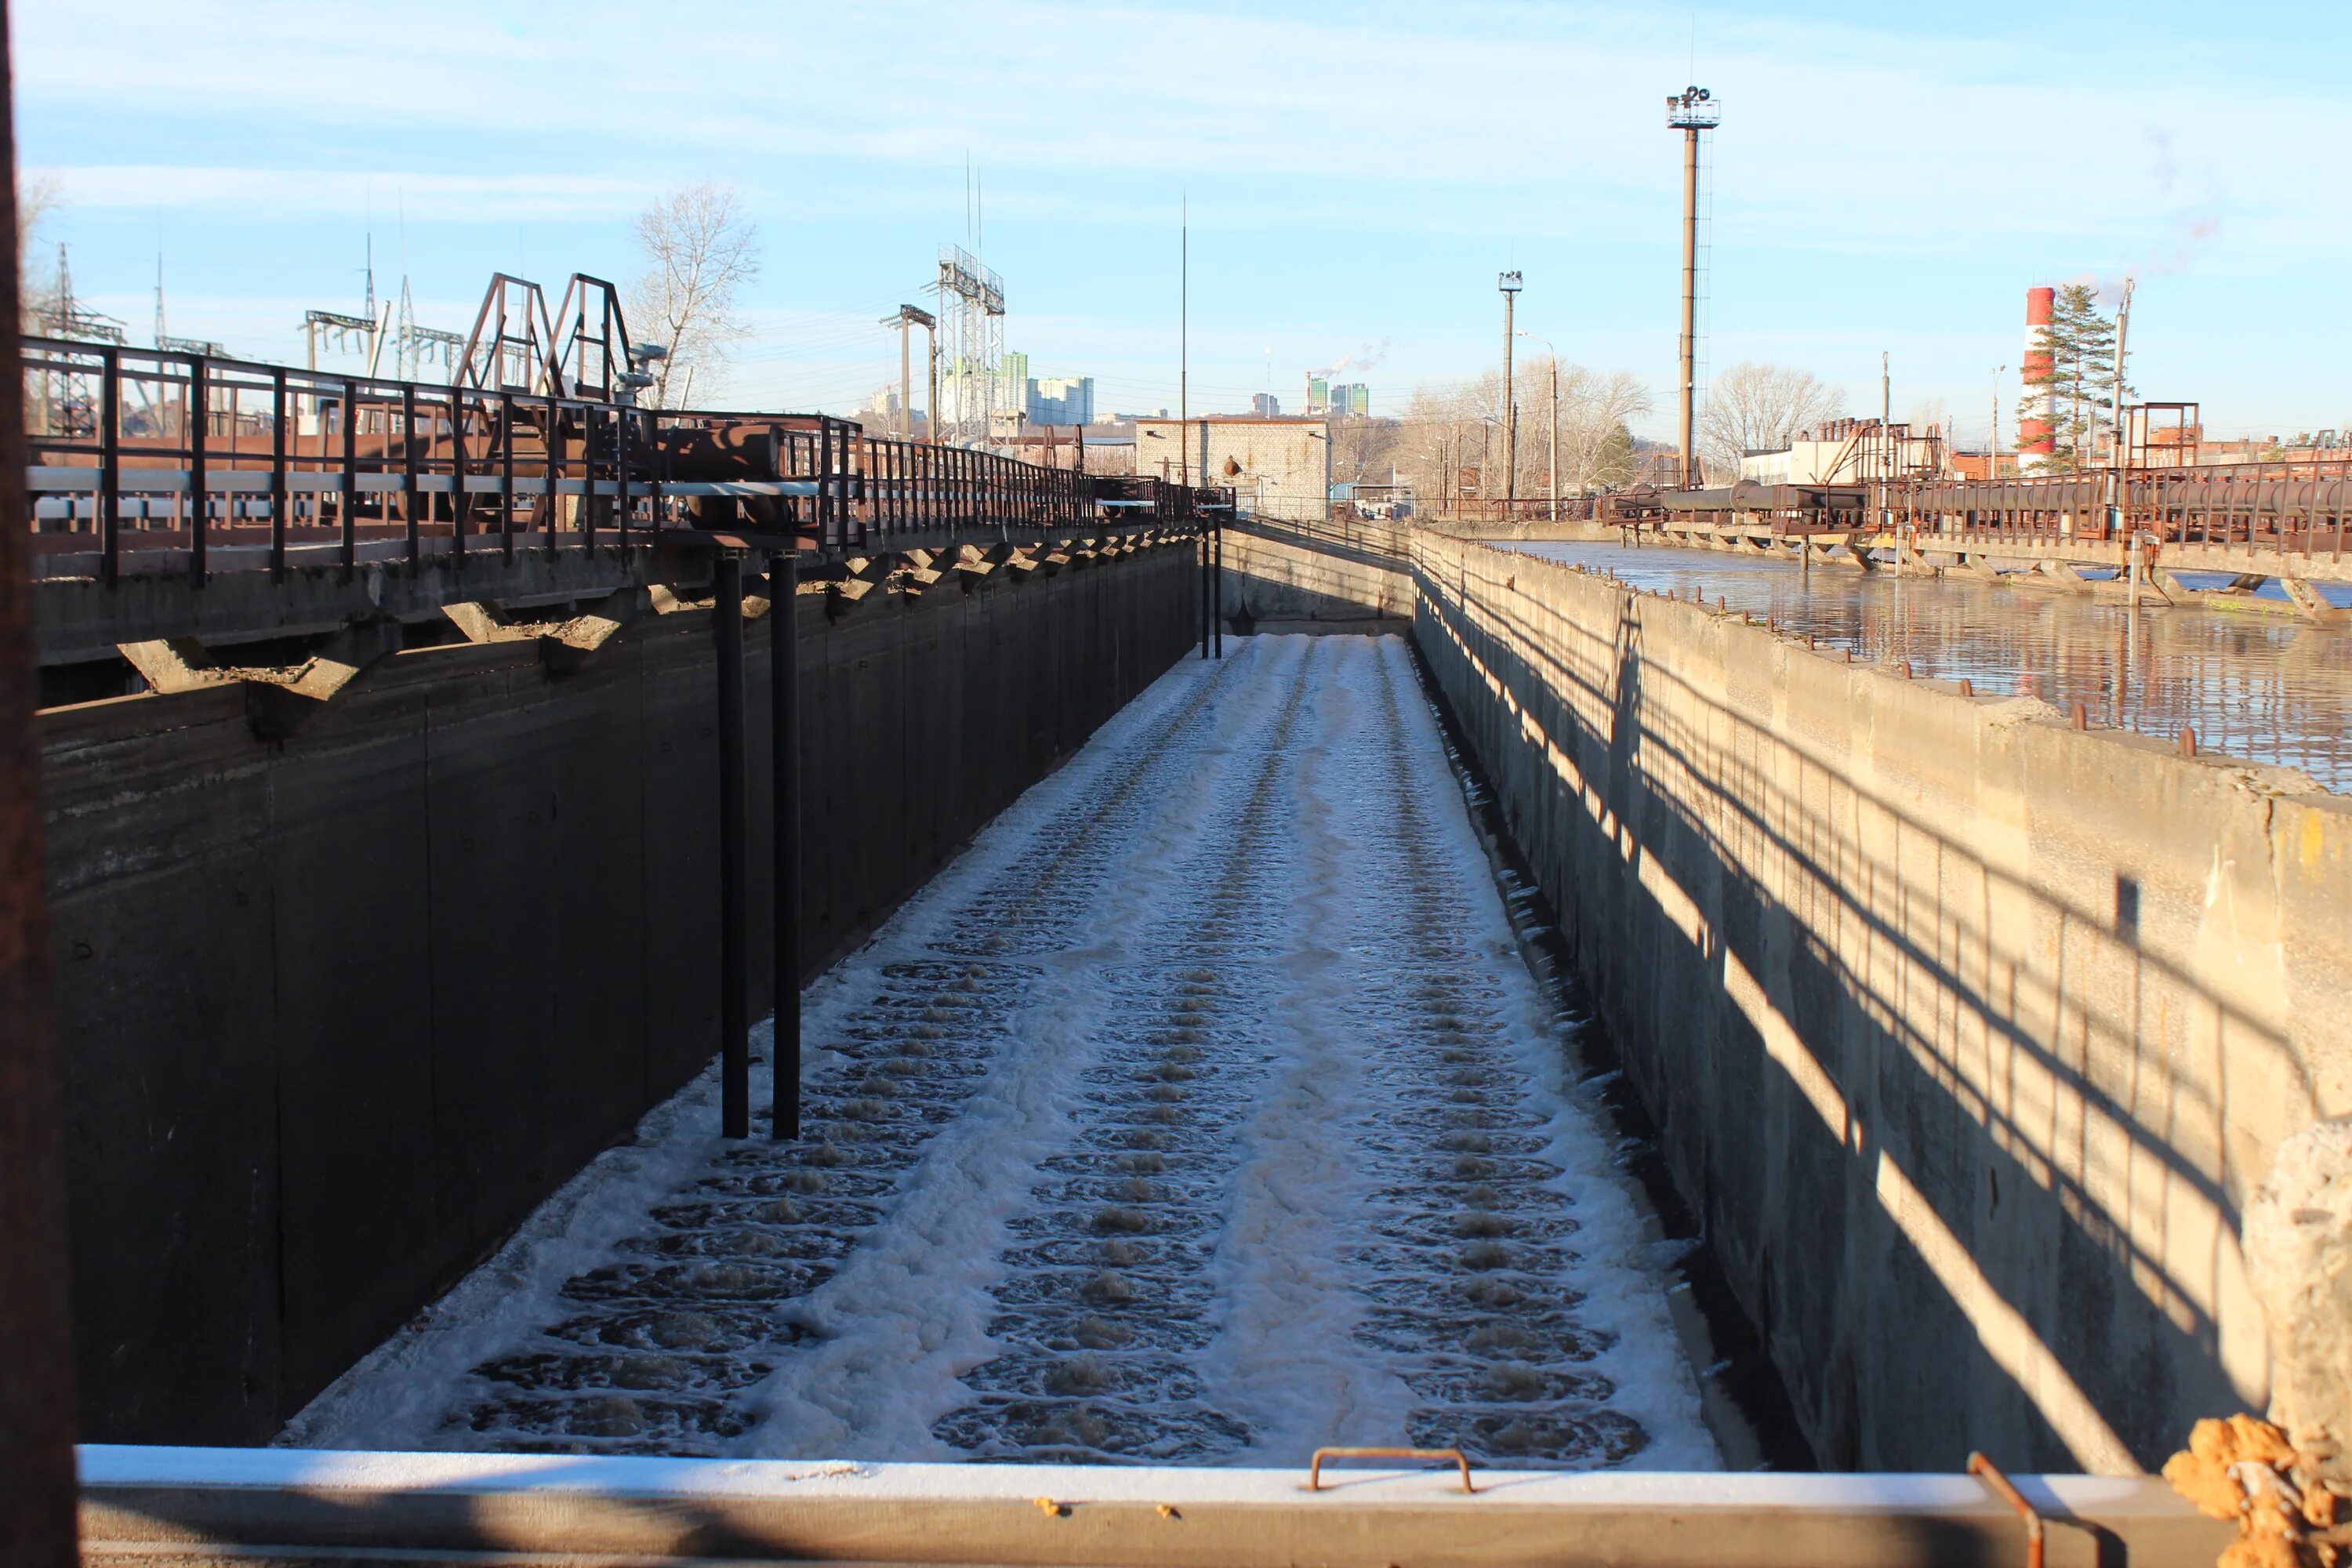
<point>1972,1036</point>
<point>337,1010</point>
<point>1286,575</point>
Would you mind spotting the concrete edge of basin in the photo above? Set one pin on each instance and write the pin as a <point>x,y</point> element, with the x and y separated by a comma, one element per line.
<point>267,1504</point>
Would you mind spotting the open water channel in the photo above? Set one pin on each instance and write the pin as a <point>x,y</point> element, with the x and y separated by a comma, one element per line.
<point>1205,1110</point>
<point>2263,687</point>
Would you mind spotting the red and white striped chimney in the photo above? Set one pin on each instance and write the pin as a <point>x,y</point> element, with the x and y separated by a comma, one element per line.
<point>2034,432</point>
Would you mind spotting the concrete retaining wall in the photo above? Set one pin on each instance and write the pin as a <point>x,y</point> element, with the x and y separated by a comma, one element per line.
<point>1970,1035</point>
<point>337,1012</point>
<point>1282,574</point>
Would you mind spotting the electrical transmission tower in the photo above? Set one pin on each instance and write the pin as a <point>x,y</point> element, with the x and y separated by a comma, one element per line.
<point>971,329</point>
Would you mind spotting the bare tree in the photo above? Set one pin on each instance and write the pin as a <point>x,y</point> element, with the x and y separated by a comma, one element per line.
<point>1755,407</point>
<point>700,249</point>
<point>1596,407</point>
<point>38,197</point>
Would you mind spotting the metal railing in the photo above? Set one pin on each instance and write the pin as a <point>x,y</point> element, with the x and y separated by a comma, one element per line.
<point>136,448</point>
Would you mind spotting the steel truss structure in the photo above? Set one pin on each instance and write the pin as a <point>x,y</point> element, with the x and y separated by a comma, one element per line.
<point>971,332</point>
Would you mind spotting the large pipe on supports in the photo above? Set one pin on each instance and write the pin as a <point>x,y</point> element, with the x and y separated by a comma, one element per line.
<point>734,987</point>
<point>37,1354</point>
<point>785,766</point>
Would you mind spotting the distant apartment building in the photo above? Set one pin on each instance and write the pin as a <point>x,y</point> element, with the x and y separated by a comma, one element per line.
<point>1277,467</point>
<point>1265,405</point>
<point>1062,400</point>
<point>1326,397</point>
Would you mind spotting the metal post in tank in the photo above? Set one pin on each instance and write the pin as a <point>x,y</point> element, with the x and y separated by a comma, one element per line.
<point>1217,587</point>
<point>734,997</point>
<point>784,764</point>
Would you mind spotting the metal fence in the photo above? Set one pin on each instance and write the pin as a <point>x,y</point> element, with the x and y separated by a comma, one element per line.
<point>235,462</point>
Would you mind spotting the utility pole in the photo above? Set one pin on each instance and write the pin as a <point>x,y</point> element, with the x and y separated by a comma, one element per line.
<point>1886,392</point>
<point>1554,446</point>
<point>909,317</point>
<point>1509,283</point>
<point>1183,336</point>
<point>1690,112</point>
<point>2116,395</point>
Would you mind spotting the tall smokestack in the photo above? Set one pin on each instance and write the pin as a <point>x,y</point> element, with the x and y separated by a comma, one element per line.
<point>2035,434</point>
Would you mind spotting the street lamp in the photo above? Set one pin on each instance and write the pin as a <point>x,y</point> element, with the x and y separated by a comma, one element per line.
<point>1554,448</point>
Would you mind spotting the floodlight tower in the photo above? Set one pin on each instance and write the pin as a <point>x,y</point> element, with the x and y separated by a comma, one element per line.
<point>1690,112</point>
<point>1509,284</point>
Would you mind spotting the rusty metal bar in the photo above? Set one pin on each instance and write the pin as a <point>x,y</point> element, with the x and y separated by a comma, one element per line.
<point>1460,1459</point>
<point>1990,1473</point>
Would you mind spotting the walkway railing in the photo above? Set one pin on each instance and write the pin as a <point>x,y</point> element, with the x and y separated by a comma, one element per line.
<point>136,449</point>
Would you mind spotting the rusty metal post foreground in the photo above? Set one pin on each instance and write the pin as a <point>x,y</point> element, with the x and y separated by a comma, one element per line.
<point>37,1382</point>
<point>734,904</point>
<point>785,763</point>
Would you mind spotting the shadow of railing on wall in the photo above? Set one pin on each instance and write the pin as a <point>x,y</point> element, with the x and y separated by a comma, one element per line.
<point>1977,1205</point>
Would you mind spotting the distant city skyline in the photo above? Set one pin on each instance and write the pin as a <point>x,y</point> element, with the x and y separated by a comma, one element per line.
<point>1972,156</point>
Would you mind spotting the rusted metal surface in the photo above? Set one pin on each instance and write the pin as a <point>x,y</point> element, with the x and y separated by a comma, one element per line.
<point>1456,1456</point>
<point>37,1385</point>
<point>1990,1473</point>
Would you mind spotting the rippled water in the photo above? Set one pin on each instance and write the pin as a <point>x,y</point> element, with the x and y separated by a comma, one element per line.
<point>2271,690</point>
<point>1203,1112</point>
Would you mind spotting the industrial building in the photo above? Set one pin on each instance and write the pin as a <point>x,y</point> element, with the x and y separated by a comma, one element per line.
<point>1277,467</point>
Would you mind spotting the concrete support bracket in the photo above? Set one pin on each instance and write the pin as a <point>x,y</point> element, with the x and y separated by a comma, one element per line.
<point>279,699</point>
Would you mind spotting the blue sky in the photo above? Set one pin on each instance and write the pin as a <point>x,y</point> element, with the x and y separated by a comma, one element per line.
<point>1356,173</point>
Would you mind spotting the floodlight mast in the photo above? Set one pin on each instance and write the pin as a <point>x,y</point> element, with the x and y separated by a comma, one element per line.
<point>1690,112</point>
<point>1509,285</point>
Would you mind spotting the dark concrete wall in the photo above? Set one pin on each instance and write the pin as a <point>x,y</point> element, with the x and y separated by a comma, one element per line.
<point>1288,575</point>
<point>1969,1035</point>
<point>338,1011</point>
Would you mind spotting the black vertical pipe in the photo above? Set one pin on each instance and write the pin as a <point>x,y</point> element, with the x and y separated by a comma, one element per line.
<point>554,445</point>
<point>588,480</point>
<point>1217,591</point>
<point>621,418</point>
<point>281,505</point>
<point>784,767</point>
<point>1200,550</point>
<point>734,992</point>
<point>351,515</point>
<point>461,499</point>
<point>110,466</point>
<point>199,423</point>
<point>408,468</point>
